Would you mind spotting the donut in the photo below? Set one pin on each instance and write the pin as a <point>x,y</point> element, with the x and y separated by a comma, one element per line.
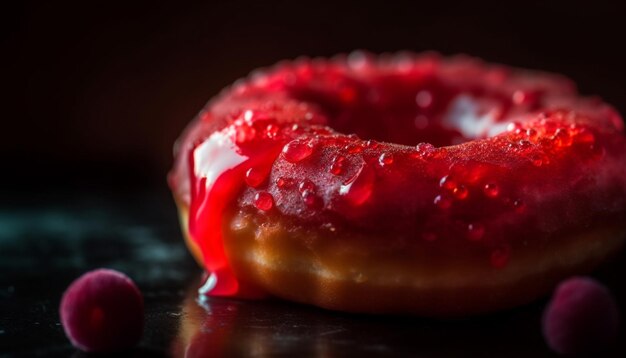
<point>400,183</point>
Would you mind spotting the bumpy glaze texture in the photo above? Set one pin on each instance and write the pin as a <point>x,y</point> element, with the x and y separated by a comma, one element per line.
<point>419,152</point>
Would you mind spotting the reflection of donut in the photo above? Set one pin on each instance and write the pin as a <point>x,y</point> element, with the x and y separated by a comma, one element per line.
<point>516,183</point>
<point>203,333</point>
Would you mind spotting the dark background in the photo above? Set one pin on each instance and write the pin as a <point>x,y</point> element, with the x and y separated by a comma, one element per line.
<point>97,93</point>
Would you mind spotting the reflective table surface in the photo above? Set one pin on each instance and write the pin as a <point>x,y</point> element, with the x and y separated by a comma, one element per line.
<point>49,239</point>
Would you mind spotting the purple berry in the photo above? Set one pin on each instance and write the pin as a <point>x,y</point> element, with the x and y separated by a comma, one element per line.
<point>102,311</point>
<point>582,317</point>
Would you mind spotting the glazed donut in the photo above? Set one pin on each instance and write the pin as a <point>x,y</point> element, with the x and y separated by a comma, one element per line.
<point>401,184</point>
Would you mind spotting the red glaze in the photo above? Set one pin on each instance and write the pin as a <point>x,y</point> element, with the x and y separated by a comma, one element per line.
<point>437,152</point>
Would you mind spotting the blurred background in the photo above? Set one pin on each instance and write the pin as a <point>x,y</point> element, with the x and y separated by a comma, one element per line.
<point>96,94</point>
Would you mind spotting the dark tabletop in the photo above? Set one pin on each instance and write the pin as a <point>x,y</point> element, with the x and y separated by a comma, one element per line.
<point>49,239</point>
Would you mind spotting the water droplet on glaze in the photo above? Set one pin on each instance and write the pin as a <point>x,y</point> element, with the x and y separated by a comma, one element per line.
<point>353,148</point>
<point>460,192</point>
<point>256,176</point>
<point>442,202</point>
<point>282,182</point>
<point>491,190</point>
<point>372,144</point>
<point>263,201</point>
<point>500,256</point>
<point>310,198</point>
<point>306,185</point>
<point>519,205</point>
<point>359,188</point>
<point>297,150</point>
<point>475,231</point>
<point>424,99</point>
<point>336,167</point>
<point>385,159</point>
<point>447,183</point>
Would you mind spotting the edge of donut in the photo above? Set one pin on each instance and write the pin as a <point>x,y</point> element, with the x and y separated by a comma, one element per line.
<point>395,289</point>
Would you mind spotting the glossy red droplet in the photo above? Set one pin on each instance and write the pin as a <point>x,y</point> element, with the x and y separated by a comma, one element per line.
<point>336,167</point>
<point>305,185</point>
<point>297,150</point>
<point>475,231</point>
<point>283,182</point>
<point>310,199</point>
<point>442,202</point>
<point>385,159</point>
<point>491,190</point>
<point>256,176</point>
<point>359,188</point>
<point>353,148</point>
<point>519,205</point>
<point>447,183</point>
<point>102,311</point>
<point>460,192</point>
<point>263,201</point>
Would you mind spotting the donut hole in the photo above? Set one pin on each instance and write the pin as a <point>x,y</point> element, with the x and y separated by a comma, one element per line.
<point>409,114</point>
